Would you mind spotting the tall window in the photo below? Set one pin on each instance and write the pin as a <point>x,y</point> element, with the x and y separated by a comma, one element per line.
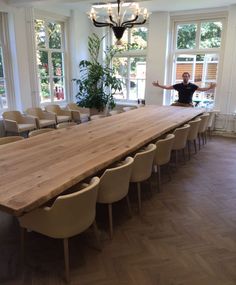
<point>6,94</point>
<point>197,49</point>
<point>130,65</point>
<point>50,60</point>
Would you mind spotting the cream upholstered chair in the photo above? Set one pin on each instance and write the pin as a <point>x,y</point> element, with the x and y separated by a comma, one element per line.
<point>40,131</point>
<point>79,114</point>
<point>203,128</point>
<point>61,115</point>
<point>15,122</point>
<point>43,119</point>
<point>142,167</point>
<point>180,141</point>
<point>163,155</point>
<point>193,134</point>
<point>114,186</point>
<point>66,125</point>
<point>6,140</point>
<point>69,215</point>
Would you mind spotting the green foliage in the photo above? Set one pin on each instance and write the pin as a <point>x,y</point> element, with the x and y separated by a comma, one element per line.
<point>97,83</point>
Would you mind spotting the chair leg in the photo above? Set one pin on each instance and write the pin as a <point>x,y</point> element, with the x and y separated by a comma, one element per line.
<point>195,146</point>
<point>66,258</point>
<point>139,196</point>
<point>183,151</point>
<point>189,150</point>
<point>199,141</point>
<point>110,220</point>
<point>159,178</point>
<point>22,246</point>
<point>128,205</point>
<point>176,157</point>
<point>95,229</point>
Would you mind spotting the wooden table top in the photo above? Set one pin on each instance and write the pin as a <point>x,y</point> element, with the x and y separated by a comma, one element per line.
<point>37,169</point>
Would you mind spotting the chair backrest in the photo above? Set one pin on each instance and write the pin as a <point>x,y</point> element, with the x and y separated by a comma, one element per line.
<point>37,112</point>
<point>39,132</point>
<point>69,215</point>
<point>6,140</point>
<point>204,122</point>
<point>163,151</point>
<point>66,125</point>
<point>53,108</point>
<point>194,127</point>
<point>114,183</point>
<point>12,115</point>
<point>75,107</point>
<point>181,135</point>
<point>143,162</point>
<point>211,120</point>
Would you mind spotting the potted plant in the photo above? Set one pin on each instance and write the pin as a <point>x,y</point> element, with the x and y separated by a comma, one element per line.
<point>97,83</point>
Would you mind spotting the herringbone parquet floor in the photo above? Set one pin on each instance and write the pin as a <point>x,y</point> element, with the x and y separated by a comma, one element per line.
<point>186,235</point>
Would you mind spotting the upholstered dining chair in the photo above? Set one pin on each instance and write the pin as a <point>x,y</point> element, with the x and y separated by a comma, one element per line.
<point>180,141</point>
<point>61,115</point>
<point>202,131</point>
<point>193,134</point>
<point>40,131</point>
<point>66,125</point>
<point>142,167</point>
<point>6,140</point>
<point>163,155</point>
<point>69,215</point>
<point>15,122</point>
<point>79,114</point>
<point>43,119</point>
<point>114,186</point>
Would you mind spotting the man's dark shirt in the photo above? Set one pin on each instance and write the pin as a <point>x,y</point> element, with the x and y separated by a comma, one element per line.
<point>185,92</point>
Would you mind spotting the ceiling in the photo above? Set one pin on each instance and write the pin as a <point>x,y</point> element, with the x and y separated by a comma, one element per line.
<point>153,5</point>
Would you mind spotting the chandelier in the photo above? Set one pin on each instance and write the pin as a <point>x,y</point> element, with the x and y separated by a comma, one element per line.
<point>118,21</point>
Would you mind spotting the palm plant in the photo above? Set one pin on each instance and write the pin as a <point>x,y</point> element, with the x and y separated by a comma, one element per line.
<point>97,83</point>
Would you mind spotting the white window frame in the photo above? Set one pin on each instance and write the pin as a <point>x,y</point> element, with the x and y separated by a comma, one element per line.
<point>130,54</point>
<point>7,64</point>
<point>198,19</point>
<point>50,17</point>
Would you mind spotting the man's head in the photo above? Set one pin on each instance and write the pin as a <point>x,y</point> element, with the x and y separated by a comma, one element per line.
<point>186,77</point>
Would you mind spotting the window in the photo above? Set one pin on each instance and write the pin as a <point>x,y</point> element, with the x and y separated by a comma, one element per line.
<point>49,37</point>
<point>130,64</point>
<point>6,81</point>
<point>197,51</point>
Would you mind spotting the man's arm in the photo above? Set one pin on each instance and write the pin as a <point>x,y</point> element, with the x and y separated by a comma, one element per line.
<point>211,86</point>
<point>162,86</point>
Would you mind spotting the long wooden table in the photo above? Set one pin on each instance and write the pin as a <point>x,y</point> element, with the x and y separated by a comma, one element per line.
<point>37,169</point>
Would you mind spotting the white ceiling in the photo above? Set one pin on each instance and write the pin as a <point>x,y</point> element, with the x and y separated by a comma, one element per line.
<point>153,5</point>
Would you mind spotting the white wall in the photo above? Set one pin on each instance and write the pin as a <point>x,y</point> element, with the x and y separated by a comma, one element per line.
<point>157,56</point>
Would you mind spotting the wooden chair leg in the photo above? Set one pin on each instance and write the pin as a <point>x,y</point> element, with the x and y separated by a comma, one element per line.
<point>183,152</point>
<point>95,229</point>
<point>66,258</point>
<point>199,141</point>
<point>159,177</point>
<point>195,146</point>
<point>128,205</point>
<point>139,196</point>
<point>110,220</point>
<point>22,246</point>
<point>189,150</point>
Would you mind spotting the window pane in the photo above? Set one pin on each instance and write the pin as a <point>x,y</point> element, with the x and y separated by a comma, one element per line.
<point>186,36</point>
<point>184,63</point>
<point>44,90</point>
<point>3,94</point>
<point>57,63</point>
<point>40,33</point>
<point>139,38</point>
<point>210,34</point>
<point>54,32</point>
<point>137,78</point>
<point>42,60</point>
<point>58,88</point>
<point>121,69</point>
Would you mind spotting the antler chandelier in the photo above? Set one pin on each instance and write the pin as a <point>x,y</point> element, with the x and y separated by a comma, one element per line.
<point>117,21</point>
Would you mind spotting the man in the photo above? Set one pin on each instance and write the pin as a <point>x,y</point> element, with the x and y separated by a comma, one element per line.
<point>185,90</point>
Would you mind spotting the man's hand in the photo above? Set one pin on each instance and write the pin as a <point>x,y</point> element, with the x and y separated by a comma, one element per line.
<point>155,83</point>
<point>212,85</point>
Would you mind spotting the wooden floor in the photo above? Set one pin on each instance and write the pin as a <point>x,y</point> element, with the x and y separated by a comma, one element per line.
<point>186,234</point>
